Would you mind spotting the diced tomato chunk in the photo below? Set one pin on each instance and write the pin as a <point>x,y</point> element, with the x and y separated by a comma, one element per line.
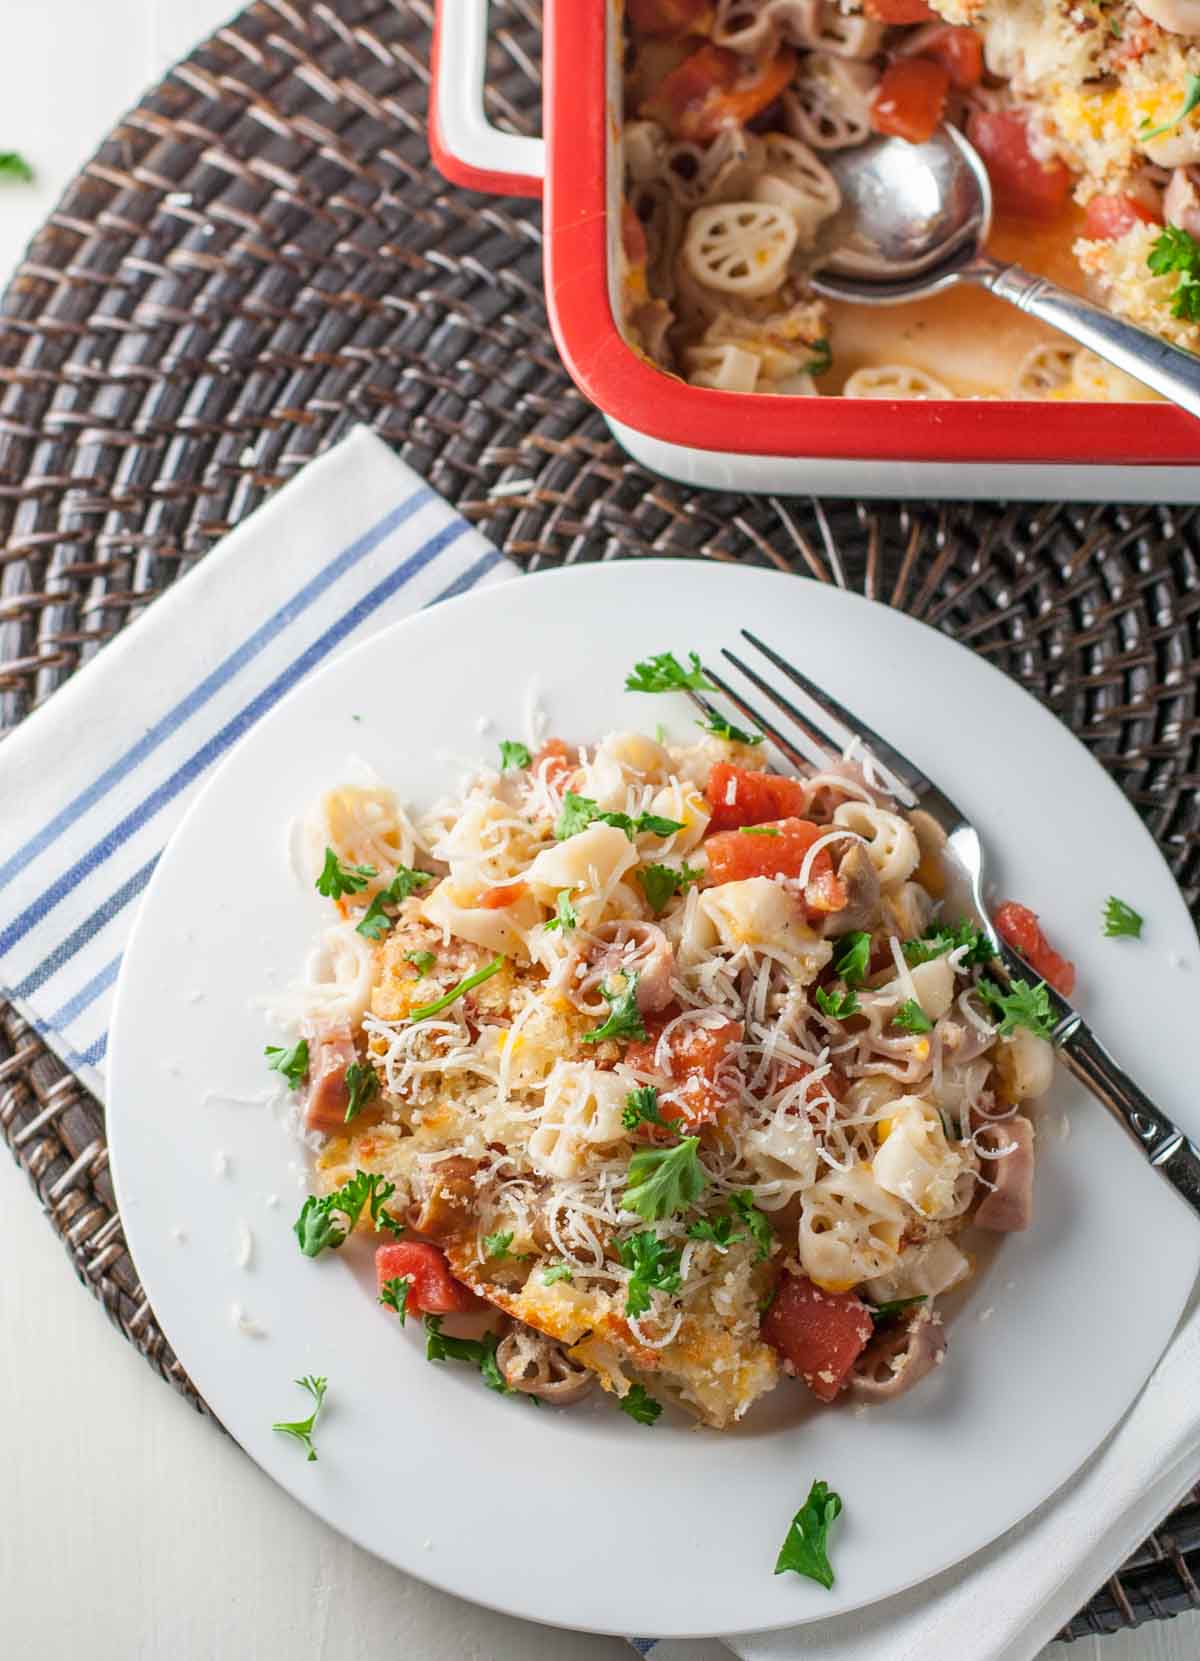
<point>1021,183</point>
<point>495,899</point>
<point>1020,927</point>
<point>696,1060</point>
<point>1111,216</point>
<point>822,1334</point>
<point>899,11</point>
<point>716,88</point>
<point>773,850</point>
<point>910,100</point>
<point>959,50</point>
<point>331,1053</point>
<point>739,796</point>
<point>668,19</point>
<point>434,1290</point>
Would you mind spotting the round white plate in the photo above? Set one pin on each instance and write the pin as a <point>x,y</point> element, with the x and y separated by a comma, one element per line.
<point>582,1517</point>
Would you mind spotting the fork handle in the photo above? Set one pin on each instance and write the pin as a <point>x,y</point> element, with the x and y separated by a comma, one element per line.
<point>1161,1140</point>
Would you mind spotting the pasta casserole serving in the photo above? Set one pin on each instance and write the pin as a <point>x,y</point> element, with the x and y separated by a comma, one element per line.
<point>675,1066</point>
<point>1084,112</point>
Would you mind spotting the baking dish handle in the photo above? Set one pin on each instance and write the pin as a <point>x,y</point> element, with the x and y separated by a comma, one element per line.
<point>465,146</point>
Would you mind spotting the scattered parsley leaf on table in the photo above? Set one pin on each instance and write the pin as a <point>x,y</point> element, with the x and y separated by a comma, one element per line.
<point>1121,920</point>
<point>302,1429</point>
<point>805,1550</point>
<point>513,754</point>
<point>14,166</point>
<point>394,1293</point>
<point>665,673</point>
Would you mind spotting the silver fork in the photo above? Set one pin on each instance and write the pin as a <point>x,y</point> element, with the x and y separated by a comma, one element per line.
<point>1163,1143</point>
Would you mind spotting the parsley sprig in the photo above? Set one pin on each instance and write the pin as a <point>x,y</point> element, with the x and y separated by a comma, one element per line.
<point>940,938</point>
<point>292,1063</point>
<point>641,1108</point>
<point>624,1017</point>
<point>652,1268</point>
<point>910,1017</point>
<point>806,1548</point>
<point>660,883</point>
<point>662,1181</point>
<point>394,1293</point>
<point>1121,920</point>
<point>565,916</point>
<point>578,812</point>
<point>1173,250</point>
<point>719,727</point>
<point>375,922</point>
<point>481,1353</point>
<point>881,1312</point>
<point>1191,98</point>
<point>337,880</point>
<point>514,754</point>
<point>326,1220</point>
<point>14,166</point>
<point>720,1230</point>
<point>362,1083</point>
<point>422,962</point>
<point>464,986</point>
<point>839,1006</point>
<point>1022,1006</point>
<point>640,1405</point>
<point>853,957</point>
<point>496,1245</point>
<point>665,673</point>
<point>302,1429</point>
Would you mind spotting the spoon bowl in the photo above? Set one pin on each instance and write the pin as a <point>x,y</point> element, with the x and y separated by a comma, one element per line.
<point>915,219</point>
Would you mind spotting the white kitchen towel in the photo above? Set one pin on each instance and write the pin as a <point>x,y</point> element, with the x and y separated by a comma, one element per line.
<point>1007,1602</point>
<point>93,784</point>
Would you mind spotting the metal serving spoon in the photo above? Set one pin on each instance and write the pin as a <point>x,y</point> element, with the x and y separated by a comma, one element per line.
<point>914,221</point>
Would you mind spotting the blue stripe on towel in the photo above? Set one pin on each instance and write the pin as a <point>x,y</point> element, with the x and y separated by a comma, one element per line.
<point>78,938</point>
<point>86,996</point>
<point>205,756</point>
<point>212,684</point>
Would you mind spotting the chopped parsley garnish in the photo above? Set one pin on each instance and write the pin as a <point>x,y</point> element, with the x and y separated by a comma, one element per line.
<point>640,1405</point>
<point>1191,98</point>
<point>375,923</point>
<point>821,360</point>
<point>557,1272</point>
<point>759,830</point>
<point>456,992</point>
<point>514,754</point>
<point>939,939</point>
<point>422,962</point>
<point>665,673</point>
<point>1022,1006</point>
<point>717,1229</point>
<point>480,1353</point>
<point>641,1108</point>
<point>652,1267</point>
<point>837,1005</point>
<point>292,1063</point>
<point>1122,920</point>
<point>578,812</point>
<point>496,1245</point>
<point>338,880</point>
<point>624,1016</point>
<point>663,1181</point>
<point>911,1017</point>
<point>881,1312</point>
<point>325,1221</point>
<point>660,883</point>
<point>806,1549</point>
<point>852,960</point>
<point>14,166</point>
<point>394,1293</point>
<point>1175,250</point>
<point>302,1429</point>
<point>565,916</point>
<point>719,727</point>
<point>755,1220</point>
<point>362,1081</point>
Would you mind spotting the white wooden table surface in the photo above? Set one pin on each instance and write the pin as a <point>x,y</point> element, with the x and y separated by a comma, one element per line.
<point>131,1528</point>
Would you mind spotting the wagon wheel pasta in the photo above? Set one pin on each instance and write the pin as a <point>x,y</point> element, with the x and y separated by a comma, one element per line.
<point>1087,122</point>
<point>671,1070</point>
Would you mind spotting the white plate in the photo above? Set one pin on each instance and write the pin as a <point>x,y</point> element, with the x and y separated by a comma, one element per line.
<point>581,1517</point>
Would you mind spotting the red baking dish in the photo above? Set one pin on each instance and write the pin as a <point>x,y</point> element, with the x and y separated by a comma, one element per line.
<point>729,440</point>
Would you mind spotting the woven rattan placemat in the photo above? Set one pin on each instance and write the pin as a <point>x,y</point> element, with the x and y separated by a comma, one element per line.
<point>260,256</point>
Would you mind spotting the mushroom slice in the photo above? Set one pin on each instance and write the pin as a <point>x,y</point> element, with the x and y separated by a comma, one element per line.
<point>540,1366</point>
<point>857,874</point>
<point>898,1357</point>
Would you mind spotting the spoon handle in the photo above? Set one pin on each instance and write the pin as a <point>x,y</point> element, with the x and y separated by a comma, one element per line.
<point>1167,369</point>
